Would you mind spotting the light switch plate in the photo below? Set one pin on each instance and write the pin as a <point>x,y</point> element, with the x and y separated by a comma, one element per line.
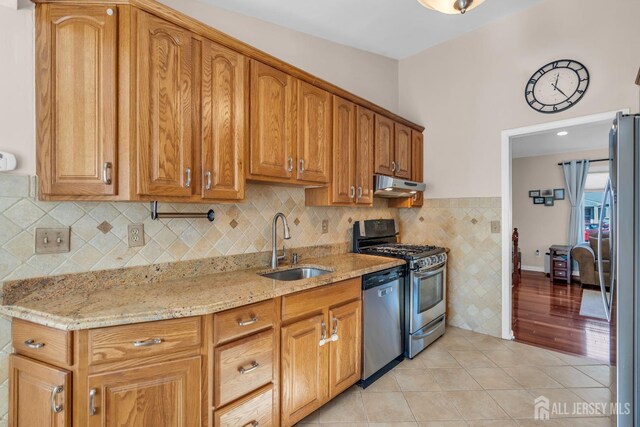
<point>135,235</point>
<point>495,226</point>
<point>325,226</point>
<point>53,240</point>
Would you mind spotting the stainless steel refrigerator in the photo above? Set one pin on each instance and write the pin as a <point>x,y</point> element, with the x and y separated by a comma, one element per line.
<point>622,299</point>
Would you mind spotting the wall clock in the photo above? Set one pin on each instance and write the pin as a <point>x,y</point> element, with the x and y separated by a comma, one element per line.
<point>557,86</point>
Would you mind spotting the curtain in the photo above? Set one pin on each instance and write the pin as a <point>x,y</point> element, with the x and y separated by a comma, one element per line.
<point>575,176</point>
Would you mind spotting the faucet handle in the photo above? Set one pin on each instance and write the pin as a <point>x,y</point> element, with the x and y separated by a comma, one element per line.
<point>294,259</point>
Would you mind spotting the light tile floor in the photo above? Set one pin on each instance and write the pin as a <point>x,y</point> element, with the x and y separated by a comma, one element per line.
<point>470,379</point>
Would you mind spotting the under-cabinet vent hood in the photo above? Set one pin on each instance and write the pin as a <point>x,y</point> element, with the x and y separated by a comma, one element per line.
<point>394,188</point>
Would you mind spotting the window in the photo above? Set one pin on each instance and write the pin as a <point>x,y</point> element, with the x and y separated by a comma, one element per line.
<point>592,201</point>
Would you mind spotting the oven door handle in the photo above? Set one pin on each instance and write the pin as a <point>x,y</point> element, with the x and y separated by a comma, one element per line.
<point>431,331</point>
<point>419,275</point>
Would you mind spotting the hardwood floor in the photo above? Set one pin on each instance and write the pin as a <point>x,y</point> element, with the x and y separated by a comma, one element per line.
<point>548,315</point>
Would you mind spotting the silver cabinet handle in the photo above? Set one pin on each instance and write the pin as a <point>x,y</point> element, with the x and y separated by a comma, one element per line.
<point>398,167</point>
<point>92,406</point>
<point>147,343</point>
<point>253,367</point>
<point>334,333</point>
<point>301,165</point>
<point>359,192</point>
<point>352,192</point>
<point>56,409</point>
<point>251,321</point>
<point>187,183</point>
<point>110,12</point>
<point>393,166</point>
<point>290,164</point>
<point>208,184</point>
<point>323,335</point>
<point>33,345</point>
<point>253,423</point>
<point>106,173</point>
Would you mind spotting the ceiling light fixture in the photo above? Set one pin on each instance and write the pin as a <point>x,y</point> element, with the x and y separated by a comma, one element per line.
<point>562,133</point>
<point>451,7</point>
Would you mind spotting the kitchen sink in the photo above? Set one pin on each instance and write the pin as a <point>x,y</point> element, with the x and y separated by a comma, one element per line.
<point>296,273</point>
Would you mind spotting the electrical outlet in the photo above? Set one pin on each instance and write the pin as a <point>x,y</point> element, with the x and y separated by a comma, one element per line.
<point>52,240</point>
<point>495,226</point>
<point>135,235</point>
<point>325,226</point>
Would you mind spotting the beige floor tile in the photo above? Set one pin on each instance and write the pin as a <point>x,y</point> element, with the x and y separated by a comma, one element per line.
<point>340,425</point>
<point>450,342</point>
<point>347,407</point>
<point>589,422</point>
<point>385,383</point>
<point>312,418</point>
<point>600,373</point>
<point>518,404</point>
<point>569,376</point>
<point>540,357</point>
<point>398,424</point>
<point>492,423</point>
<point>504,358</point>
<point>600,397</point>
<point>416,380</point>
<point>415,363</point>
<point>564,400</point>
<point>530,377</point>
<point>443,424</point>
<point>432,406</point>
<point>472,359</point>
<point>476,405</point>
<point>386,407</point>
<point>487,342</point>
<point>493,378</point>
<point>579,360</point>
<point>455,379</point>
<point>437,358</point>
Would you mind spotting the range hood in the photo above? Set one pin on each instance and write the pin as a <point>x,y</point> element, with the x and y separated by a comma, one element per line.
<point>395,188</point>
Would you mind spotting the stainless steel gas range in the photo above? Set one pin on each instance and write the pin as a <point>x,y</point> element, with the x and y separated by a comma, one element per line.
<point>425,298</point>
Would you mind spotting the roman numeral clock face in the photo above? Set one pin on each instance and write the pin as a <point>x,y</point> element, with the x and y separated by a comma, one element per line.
<point>557,86</point>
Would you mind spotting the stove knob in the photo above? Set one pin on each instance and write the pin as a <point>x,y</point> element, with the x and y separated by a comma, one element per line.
<point>440,258</point>
<point>427,261</point>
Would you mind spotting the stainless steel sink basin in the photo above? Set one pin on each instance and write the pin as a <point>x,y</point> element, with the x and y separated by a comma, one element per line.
<point>296,273</point>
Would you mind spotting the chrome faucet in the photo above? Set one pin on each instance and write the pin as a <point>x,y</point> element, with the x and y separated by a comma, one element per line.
<point>274,251</point>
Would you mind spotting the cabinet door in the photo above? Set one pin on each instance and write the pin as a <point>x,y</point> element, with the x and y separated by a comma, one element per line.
<point>417,161</point>
<point>402,151</point>
<point>39,395</point>
<point>383,151</point>
<point>314,133</point>
<point>76,65</point>
<point>304,369</point>
<point>344,358</point>
<point>166,394</point>
<point>364,155</point>
<point>165,157</point>
<point>344,153</point>
<point>272,122</point>
<point>224,89</point>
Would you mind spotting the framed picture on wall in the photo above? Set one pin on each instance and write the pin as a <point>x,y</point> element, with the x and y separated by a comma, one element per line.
<point>538,200</point>
<point>534,193</point>
<point>548,201</point>
<point>558,194</point>
<point>546,193</point>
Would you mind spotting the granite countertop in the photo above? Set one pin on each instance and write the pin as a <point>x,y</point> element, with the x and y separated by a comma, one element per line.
<point>66,305</point>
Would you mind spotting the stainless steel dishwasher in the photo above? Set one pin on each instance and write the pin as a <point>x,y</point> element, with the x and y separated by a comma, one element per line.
<point>383,313</point>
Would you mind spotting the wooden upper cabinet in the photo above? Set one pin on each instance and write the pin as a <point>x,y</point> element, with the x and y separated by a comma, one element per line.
<point>273,106</point>
<point>384,153</point>
<point>402,150</point>
<point>417,161</point>
<point>314,133</point>
<point>344,152</point>
<point>345,354</point>
<point>364,155</point>
<point>164,394</point>
<point>39,395</point>
<point>164,108</point>
<point>76,88</point>
<point>224,91</point>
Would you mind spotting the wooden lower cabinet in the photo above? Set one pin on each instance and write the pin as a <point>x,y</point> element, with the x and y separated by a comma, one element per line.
<point>165,394</point>
<point>345,352</point>
<point>39,394</point>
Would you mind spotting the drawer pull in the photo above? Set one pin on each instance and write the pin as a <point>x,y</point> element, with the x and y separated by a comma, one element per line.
<point>92,397</point>
<point>253,367</point>
<point>147,343</point>
<point>55,408</point>
<point>253,423</point>
<point>323,335</point>
<point>34,345</point>
<point>251,321</point>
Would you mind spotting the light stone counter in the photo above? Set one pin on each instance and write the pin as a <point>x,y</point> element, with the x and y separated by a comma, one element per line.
<point>92,300</point>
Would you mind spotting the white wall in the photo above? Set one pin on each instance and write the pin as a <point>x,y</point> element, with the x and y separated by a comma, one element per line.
<point>370,76</point>
<point>468,90</point>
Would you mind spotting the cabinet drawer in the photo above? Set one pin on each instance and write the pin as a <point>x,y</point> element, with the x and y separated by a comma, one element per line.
<point>560,273</point>
<point>143,339</point>
<point>242,321</point>
<point>42,343</point>
<point>254,410</point>
<point>243,366</point>
<point>560,264</point>
<point>313,300</point>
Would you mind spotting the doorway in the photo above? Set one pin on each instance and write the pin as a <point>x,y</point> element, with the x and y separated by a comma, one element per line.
<point>557,314</point>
